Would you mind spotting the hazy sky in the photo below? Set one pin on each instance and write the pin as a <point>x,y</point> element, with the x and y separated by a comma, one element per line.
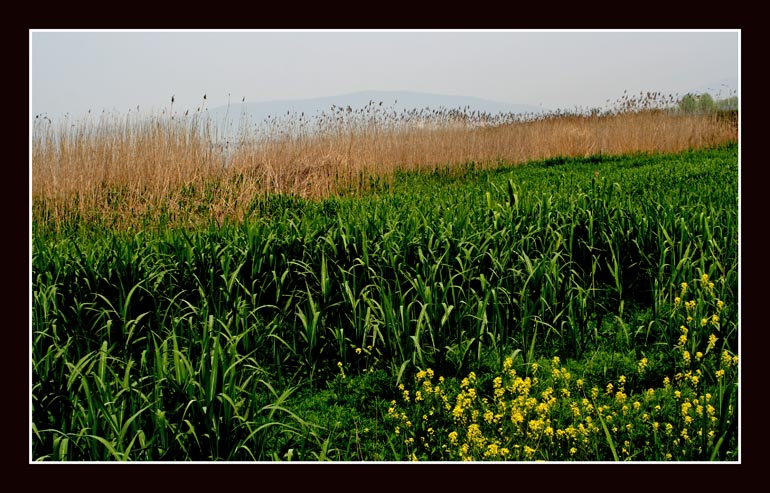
<point>74,71</point>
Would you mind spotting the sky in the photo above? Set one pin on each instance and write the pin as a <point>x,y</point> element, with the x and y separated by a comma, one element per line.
<point>116,71</point>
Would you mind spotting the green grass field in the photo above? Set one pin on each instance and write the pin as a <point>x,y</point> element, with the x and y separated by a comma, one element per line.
<point>568,309</point>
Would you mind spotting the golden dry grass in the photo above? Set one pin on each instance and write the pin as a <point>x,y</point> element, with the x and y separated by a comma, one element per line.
<point>123,170</point>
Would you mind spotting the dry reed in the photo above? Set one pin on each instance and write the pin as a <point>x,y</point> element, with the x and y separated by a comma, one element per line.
<point>125,170</point>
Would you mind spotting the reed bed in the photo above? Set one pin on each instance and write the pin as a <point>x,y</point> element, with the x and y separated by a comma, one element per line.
<point>134,170</point>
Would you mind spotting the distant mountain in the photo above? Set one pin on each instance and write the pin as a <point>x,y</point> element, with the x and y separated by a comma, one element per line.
<point>397,101</point>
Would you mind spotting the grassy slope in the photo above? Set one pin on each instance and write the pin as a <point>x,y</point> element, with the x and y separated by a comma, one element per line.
<point>352,404</point>
<point>358,239</point>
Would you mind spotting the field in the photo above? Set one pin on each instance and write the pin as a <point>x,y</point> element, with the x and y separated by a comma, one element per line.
<point>560,289</point>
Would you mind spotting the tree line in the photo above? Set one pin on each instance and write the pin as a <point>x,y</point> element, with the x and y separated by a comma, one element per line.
<point>705,103</point>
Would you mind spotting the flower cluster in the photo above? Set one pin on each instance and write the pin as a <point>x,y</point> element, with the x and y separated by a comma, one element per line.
<point>538,411</point>
<point>521,418</point>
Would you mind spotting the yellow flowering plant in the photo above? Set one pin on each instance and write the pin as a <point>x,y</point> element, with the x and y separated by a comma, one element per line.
<point>558,417</point>
<point>676,401</point>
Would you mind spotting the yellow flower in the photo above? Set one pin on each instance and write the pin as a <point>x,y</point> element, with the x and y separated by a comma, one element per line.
<point>712,342</point>
<point>704,279</point>
<point>684,288</point>
<point>529,451</point>
<point>492,450</point>
<point>575,409</point>
<point>358,350</point>
<point>726,358</point>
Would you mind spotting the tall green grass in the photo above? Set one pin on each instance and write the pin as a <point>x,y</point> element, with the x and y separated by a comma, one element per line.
<point>176,343</point>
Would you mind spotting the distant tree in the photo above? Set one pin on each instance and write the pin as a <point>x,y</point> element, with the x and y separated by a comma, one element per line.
<point>727,104</point>
<point>706,103</point>
<point>688,103</point>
